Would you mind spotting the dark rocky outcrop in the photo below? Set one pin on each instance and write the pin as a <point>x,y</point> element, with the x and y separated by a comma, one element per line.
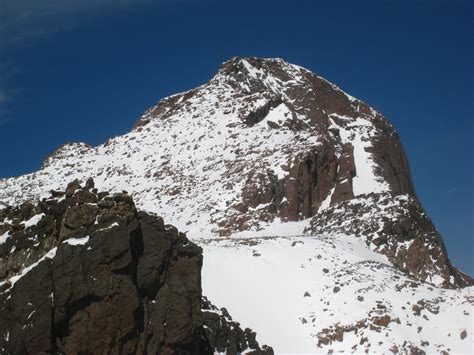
<point>89,273</point>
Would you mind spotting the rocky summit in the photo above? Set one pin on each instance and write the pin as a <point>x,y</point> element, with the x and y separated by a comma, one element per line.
<point>85,272</point>
<point>302,199</point>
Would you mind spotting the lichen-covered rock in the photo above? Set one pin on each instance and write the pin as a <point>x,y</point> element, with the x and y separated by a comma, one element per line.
<point>84,277</point>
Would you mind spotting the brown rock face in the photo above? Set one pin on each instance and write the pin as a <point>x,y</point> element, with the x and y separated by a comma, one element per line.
<point>300,188</point>
<point>84,277</point>
<point>306,186</point>
<point>310,179</point>
<point>392,162</point>
<point>347,170</point>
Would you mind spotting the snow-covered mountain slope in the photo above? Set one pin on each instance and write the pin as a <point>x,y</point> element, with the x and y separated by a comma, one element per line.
<point>269,150</point>
<point>314,294</point>
<point>218,152</point>
<point>263,141</point>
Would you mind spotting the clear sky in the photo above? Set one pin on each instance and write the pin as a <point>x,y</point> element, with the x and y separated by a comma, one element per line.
<point>86,70</point>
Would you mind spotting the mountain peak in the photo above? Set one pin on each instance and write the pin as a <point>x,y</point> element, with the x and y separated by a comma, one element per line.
<point>255,74</point>
<point>275,74</point>
<point>262,143</point>
<point>255,62</point>
<point>283,179</point>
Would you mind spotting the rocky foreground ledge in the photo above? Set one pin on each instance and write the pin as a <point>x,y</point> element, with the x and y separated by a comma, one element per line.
<point>85,272</point>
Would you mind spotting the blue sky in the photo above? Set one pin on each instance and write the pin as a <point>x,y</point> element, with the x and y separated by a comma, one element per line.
<point>85,71</point>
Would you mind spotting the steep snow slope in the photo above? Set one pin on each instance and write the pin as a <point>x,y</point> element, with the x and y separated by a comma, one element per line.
<point>317,293</point>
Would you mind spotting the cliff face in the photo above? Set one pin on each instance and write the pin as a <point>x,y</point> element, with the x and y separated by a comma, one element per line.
<point>263,143</point>
<point>85,271</point>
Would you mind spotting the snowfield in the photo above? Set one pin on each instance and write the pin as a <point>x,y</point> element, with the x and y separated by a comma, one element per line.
<point>289,289</point>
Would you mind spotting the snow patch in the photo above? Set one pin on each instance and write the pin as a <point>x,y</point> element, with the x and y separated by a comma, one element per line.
<point>33,220</point>
<point>4,237</point>
<point>77,241</point>
<point>49,255</point>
